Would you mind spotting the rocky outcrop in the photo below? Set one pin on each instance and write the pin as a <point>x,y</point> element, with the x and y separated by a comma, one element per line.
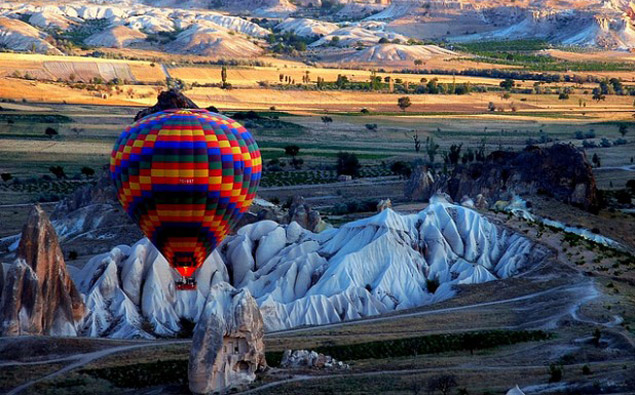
<point>39,297</point>
<point>310,359</point>
<point>560,171</point>
<point>304,215</point>
<point>421,183</point>
<point>383,205</point>
<point>299,211</point>
<point>165,101</point>
<point>363,268</point>
<point>227,347</point>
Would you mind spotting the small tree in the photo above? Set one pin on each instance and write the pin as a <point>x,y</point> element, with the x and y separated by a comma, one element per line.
<point>454,154</point>
<point>507,84</point>
<point>77,131</point>
<point>415,138</point>
<point>348,164</point>
<point>404,102</point>
<point>444,383</point>
<point>598,95</point>
<point>58,171</point>
<point>372,127</point>
<point>597,335</point>
<point>432,148</point>
<point>292,151</point>
<point>326,119</point>
<point>491,106</point>
<point>555,373</point>
<point>50,132</point>
<point>596,160</point>
<point>401,169</point>
<point>623,130</point>
<point>6,177</point>
<point>88,171</point>
<point>223,77</point>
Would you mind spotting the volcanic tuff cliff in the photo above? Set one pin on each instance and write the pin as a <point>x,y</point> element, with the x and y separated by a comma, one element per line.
<point>38,296</point>
<point>227,346</point>
<point>375,265</point>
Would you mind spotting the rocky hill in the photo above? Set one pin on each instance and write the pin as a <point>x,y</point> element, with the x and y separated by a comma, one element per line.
<point>229,31</point>
<point>383,263</point>
<point>20,36</point>
<point>561,171</point>
<point>396,53</point>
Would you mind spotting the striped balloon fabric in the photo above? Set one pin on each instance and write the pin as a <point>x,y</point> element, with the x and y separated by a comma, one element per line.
<point>186,177</point>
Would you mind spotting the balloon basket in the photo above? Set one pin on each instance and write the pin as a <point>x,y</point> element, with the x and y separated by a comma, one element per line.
<point>186,284</point>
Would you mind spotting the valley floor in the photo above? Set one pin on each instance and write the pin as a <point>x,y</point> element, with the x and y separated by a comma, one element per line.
<point>552,296</point>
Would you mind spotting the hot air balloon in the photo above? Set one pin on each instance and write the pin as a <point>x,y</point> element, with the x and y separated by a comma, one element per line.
<point>186,176</point>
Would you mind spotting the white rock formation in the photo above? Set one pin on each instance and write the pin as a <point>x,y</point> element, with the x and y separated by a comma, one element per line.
<point>379,264</point>
<point>130,292</point>
<point>352,35</point>
<point>397,52</point>
<point>236,24</point>
<point>306,27</point>
<point>209,39</point>
<point>227,347</point>
<point>115,37</point>
<point>311,359</point>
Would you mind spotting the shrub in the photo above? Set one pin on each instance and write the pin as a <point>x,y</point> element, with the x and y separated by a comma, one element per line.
<point>58,171</point>
<point>187,328</point>
<point>401,169</point>
<point>50,132</point>
<point>6,177</point>
<point>623,197</point>
<point>432,284</point>
<point>88,171</point>
<point>597,335</point>
<point>605,143</point>
<point>555,373</point>
<point>619,141</point>
<point>586,370</point>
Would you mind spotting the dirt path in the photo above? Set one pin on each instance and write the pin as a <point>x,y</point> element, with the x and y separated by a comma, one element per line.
<point>165,71</point>
<point>84,359</point>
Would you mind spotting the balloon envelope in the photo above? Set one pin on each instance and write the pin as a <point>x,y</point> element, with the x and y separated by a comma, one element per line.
<point>186,177</point>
